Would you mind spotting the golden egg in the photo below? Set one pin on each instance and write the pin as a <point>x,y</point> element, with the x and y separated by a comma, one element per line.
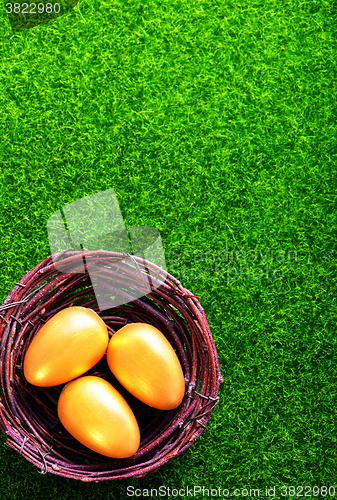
<point>144,362</point>
<point>96,414</point>
<point>68,345</point>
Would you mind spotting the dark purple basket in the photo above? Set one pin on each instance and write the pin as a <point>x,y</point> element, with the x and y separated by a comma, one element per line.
<point>28,414</point>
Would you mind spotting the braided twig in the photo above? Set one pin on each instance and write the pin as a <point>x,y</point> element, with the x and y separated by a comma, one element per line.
<point>28,414</point>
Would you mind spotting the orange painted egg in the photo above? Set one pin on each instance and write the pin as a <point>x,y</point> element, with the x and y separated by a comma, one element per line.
<point>144,362</point>
<point>68,345</point>
<point>96,414</point>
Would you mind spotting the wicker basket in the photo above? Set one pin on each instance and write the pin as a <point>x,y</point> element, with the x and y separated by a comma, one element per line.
<point>28,414</point>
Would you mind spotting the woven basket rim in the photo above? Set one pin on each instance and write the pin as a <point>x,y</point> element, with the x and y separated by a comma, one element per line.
<point>45,290</point>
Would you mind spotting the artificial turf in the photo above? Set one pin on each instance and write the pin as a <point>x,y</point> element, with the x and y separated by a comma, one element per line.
<point>215,122</point>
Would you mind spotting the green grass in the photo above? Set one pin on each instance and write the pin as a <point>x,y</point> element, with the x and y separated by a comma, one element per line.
<point>215,122</point>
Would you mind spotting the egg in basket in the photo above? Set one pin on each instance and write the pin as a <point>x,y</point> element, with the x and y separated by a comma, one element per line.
<point>164,371</point>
